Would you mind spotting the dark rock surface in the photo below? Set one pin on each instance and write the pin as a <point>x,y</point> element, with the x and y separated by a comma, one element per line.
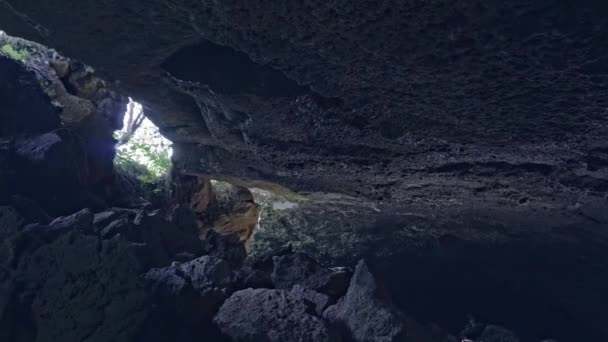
<point>57,146</point>
<point>121,275</point>
<point>65,282</point>
<point>430,104</point>
<point>364,312</point>
<point>459,146</point>
<point>300,269</point>
<point>264,315</point>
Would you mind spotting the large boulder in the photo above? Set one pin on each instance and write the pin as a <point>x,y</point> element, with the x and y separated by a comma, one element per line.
<point>70,287</point>
<point>186,297</point>
<point>68,281</point>
<point>365,313</point>
<point>300,269</point>
<point>263,315</point>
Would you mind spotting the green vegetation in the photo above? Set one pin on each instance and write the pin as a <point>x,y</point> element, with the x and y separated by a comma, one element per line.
<point>142,152</point>
<point>18,55</point>
<point>143,160</point>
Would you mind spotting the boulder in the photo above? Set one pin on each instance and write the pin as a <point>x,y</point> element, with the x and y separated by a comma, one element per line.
<point>365,313</point>
<point>318,300</point>
<point>263,315</point>
<point>195,288</point>
<point>226,246</point>
<point>299,269</point>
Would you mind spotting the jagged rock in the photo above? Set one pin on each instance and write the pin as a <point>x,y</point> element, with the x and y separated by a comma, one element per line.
<point>104,217</point>
<point>219,206</point>
<point>227,247</point>
<point>153,229</point>
<point>59,147</point>
<point>365,313</point>
<point>187,296</point>
<point>262,315</point>
<point>319,300</point>
<point>82,220</point>
<point>252,277</point>
<point>70,293</point>
<point>115,227</point>
<point>300,269</point>
<point>26,109</point>
<point>199,286</point>
<point>185,220</point>
<point>61,282</point>
<point>471,110</point>
<point>207,271</point>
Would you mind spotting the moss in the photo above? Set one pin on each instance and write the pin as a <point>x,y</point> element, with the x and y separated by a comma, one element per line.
<point>18,55</point>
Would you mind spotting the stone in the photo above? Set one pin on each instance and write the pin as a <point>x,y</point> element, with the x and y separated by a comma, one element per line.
<point>206,272</point>
<point>152,228</point>
<point>87,271</point>
<point>82,220</point>
<point>103,218</point>
<point>193,290</point>
<point>185,220</point>
<point>300,269</point>
<point>227,247</point>
<point>318,300</point>
<point>115,227</point>
<point>365,313</point>
<point>264,315</point>
<point>59,146</point>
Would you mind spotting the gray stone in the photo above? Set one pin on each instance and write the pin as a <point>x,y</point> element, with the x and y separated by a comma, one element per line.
<point>300,269</point>
<point>82,220</point>
<point>262,315</point>
<point>318,300</point>
<point>366,315</point>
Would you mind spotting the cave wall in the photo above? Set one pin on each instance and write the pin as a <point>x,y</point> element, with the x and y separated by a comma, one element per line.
<point>463,141</point>
<point>425,104</point>
<point>58,119</point>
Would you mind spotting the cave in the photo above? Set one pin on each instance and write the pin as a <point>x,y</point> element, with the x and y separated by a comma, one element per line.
<point>341,171</point>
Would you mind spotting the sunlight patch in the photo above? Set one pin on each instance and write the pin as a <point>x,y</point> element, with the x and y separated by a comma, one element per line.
<point>141,149</point>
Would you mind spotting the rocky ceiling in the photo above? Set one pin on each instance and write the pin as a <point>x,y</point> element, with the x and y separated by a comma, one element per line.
<point>464,141</point>
<point>410,104</point>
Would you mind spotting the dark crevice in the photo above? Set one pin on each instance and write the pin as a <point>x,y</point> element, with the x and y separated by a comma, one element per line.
<point>228,71</point>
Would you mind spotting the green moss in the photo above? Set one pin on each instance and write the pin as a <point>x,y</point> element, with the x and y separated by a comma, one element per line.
<point>18,55</point>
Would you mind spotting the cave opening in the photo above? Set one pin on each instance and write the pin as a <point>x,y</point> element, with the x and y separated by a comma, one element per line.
<point>457,237</point>
<point>141,149</point>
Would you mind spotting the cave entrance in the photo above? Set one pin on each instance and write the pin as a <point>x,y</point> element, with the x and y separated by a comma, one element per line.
<point>141,150</point>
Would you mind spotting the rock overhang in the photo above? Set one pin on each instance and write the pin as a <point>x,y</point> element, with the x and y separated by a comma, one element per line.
<point>486,104</point>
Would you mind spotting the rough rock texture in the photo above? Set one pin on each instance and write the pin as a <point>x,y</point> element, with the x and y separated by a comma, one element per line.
<point>427,104</point>
<point>128,275</point>
<point>365,314</point>
<point>300,269</point>
<point>56,139</point>
<point>188,295</point>
<point>262,315</point>
<point>66,282</point>
<point>219,206</point>
<point>471,134</point>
